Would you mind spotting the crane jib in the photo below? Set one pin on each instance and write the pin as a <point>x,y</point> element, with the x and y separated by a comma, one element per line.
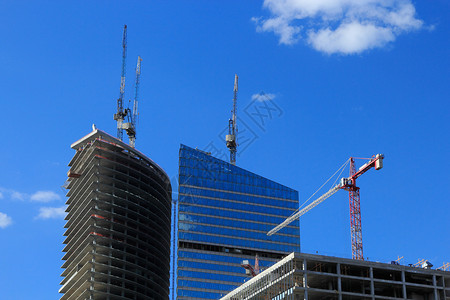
<point>298,214</point>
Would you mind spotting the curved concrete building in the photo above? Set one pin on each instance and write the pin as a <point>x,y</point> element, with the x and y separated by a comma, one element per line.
<point>118,223</point>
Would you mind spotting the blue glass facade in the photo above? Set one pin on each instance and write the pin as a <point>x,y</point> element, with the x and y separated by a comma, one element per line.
<point>224,213</point>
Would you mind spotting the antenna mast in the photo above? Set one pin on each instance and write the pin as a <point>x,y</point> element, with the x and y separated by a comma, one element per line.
<point>121,113</point>
<point>232,128</point>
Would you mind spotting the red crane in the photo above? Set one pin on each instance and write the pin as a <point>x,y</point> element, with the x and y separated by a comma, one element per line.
<point>354,200</point>
<point>249,269</point>
<point>348,184</point>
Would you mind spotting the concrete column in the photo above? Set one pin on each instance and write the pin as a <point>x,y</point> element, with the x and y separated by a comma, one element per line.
<point>404,285</point>
<point>435,288</point>
<point>443,285</point>
<point>305,279</point>
<point>372,286</point>
<point>339,282</point>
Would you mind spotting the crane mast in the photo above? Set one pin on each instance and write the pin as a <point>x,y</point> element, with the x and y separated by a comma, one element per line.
<point>232,127</point>
<point>355,215</point>
<point>348,184</point>
<point>121,113</point>
<point>354,202</point>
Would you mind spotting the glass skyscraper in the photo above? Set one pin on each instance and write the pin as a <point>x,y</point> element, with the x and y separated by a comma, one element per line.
<point>224,213</point>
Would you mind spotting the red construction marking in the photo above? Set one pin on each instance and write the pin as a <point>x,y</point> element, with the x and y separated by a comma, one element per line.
<point>99,156</point>
<point>98,147</point>
<point>108,142</point>
<point>98,234</point>
<point>98,216</point>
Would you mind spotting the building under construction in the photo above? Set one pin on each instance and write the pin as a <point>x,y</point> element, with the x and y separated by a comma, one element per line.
<point>118,223</point>
<point>302,276</point>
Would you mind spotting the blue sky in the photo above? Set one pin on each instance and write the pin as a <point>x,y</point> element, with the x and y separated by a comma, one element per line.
<point>345,78</point>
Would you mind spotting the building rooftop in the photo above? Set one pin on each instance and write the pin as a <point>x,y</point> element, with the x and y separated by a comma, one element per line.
<point>314,277</point>
<point>97,133</point>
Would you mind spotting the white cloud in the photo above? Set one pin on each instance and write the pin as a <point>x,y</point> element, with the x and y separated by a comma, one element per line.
<point>15,195</point>
<point>350,38</point>
<point>263,97</point>
<point>339,26</point>
<point>280,26</point>
<point>5,220</point>
<point>51,212</point>
<point>39,196</point>
<point>44,196</point>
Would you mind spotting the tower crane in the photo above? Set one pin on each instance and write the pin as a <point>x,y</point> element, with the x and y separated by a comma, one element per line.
<point>230,138</point>
<point>121,113</point>
<point>132,115</point>
<point>130,126</point>
<point>348,184</point>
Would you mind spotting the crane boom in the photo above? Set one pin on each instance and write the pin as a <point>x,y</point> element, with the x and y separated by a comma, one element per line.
<point>130,127</point>
<point>136,92</point>
<point>122,76</point>
<point>300,213</point>
<point>121,113</point>
<point>232,127</point>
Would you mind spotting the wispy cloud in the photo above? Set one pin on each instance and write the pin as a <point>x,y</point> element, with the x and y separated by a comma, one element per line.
<point>263,97</point>
<point>15,195</point>
<point>39,196</point>
<point>339,26</point>
<point>44,196</point>
<point>5,220</point>
<point>51,212</point>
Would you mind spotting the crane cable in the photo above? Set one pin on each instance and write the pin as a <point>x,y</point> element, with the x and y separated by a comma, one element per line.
<point>339,176</point>
<point>342,167</point>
